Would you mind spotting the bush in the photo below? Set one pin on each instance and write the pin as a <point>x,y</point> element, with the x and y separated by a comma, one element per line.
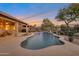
<point>70,35</point>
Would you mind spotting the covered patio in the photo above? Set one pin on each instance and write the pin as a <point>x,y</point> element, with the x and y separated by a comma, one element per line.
<point>11,26</point>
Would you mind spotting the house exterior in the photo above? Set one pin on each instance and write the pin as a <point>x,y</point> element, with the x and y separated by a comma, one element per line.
<point>12,25</point>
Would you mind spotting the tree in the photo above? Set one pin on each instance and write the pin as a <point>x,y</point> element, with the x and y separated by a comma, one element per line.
<point>76,28</point>
<point>63,30</point>
<point>74,7</point>
<point>69,15</point>
<point>34,25</point>
<point>47,25</point>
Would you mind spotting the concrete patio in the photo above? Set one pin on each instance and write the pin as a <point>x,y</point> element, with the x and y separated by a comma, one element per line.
<point>10,46</point>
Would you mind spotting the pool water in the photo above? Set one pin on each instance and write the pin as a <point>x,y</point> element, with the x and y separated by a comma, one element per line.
<point>41,40</point>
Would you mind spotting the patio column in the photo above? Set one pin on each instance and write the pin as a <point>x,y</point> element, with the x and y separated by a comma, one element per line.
<point>16,29</point>
<point>27,29</point>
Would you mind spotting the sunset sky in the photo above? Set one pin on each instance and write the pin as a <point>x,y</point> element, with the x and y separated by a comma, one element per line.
<point>32,13</point>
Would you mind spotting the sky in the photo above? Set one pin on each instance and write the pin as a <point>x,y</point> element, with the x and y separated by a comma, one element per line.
<point>32,13</point>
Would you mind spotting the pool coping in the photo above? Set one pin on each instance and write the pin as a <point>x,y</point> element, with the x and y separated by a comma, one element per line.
<point>61,38</point>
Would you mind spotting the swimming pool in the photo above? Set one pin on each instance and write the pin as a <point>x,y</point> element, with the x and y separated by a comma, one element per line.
<point>41,40</point>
